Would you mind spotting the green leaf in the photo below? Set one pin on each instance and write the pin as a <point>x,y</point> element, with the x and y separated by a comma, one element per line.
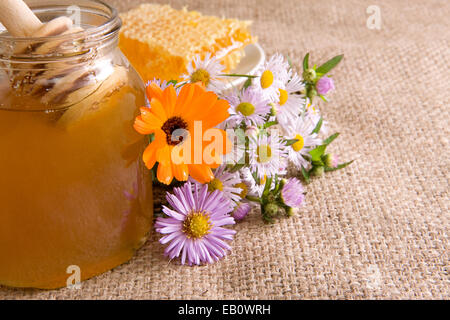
<point>305,175</point>
<point>174,82</point>
<point>317,153</point>
<point>306,62</point>
<point>239,75</point>
<point>291,65</point>
<point>253,199</point>
<point>318,163</point>
<point>330,139</point>
<point>267,186</point>
<point>330,64</point>
<point>323,98</point>
<point>151,137</point>
<point>318,126</point>
<point>238,166</point>
<point>269,124</point>
<point>277,185</point>
<point>290,142</point>
<point>247,83</point>
<point>341,166</point>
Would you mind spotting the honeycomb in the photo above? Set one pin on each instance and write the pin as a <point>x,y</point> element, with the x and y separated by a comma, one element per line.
<point>160,41</point>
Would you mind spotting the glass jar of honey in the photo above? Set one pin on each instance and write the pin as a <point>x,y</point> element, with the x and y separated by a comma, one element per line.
<point>74,192</point>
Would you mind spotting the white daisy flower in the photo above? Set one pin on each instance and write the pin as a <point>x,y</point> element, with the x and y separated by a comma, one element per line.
<point>226,182</point>
<point>290,104</point>
<point>207,71</point>
<point>267,155</point>
<point>255,185</point>
<point>273,75</point>
<point>247,106</point>
<point>301,129</point>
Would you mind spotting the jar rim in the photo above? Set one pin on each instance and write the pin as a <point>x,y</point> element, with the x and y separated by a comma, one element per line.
<point>94,33</point>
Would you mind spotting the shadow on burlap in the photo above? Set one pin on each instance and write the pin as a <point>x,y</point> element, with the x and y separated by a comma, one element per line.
<point>378,229</point>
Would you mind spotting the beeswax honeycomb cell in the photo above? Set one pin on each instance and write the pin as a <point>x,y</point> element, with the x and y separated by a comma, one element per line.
<point>160,41</point>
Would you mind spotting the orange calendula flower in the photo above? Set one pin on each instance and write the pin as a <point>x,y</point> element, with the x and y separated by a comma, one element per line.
<point>185,140</point>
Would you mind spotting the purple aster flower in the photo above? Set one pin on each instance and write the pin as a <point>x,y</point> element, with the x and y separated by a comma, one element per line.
<point>194,227</point>
<point>334,161</point>
<point>330,160</point>
<point>241,210</point>
<point>324,85</point>
<point>292,193</point>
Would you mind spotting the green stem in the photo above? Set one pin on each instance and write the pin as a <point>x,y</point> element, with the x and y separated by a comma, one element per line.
<point>239,75</point>
<point>253,199</point>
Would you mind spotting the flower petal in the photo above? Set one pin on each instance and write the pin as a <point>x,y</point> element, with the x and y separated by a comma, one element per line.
<point>201,173</point>
<point>157,109</point>
<point>164,173</point>
<point>153,91</point>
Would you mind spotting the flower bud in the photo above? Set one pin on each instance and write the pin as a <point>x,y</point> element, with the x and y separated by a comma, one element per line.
<point>324,85</point>
<point>312,93</point>
<point>330,160</point>
<point>271,209</point>
<point>290,212</point>
<point>309,75</point>
<point>317,171</point>
<point>283,183</point>
<point>241,211</point>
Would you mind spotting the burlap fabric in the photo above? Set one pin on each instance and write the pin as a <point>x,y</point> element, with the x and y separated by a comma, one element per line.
<point>378,229</point>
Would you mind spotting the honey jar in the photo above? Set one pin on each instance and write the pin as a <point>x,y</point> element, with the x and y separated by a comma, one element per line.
<point>74,192</point>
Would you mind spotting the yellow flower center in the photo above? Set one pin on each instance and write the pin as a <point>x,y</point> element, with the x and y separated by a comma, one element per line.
<point>244,189</point>
<point>283,96</point>
<point>201,75</point>
<point>247,109</point>
<point>215,184</point>
<point>266,79</point>
<point>297,146</point>
<point>310,106</point>
<point>264,153</point>
<point>263,180</point>
<point>197,225</point>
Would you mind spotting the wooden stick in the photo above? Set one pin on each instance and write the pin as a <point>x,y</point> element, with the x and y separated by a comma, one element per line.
<point>18,19</point>
<point>73,84</point>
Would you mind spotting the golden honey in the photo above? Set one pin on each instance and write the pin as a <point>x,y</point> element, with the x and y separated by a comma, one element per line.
<point>73,188</point>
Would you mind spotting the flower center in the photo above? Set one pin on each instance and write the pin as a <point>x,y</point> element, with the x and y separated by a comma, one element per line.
<point>297,146</point>
<point>310,106</point>
<point>215,184</point>
<point>264,153</point>
<point>246,108</point>
<point>263,180</point>
<point>197,225</point>
<point>244,188</point>
<point>171,125</point>
<point>201,75</point>
<point>266,79</point>
<point>283,96</point>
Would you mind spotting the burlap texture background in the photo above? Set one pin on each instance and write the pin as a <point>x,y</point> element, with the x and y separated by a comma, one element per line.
<point>378,229</point>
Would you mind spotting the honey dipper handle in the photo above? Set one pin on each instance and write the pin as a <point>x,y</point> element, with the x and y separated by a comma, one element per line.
<point>18,18</point>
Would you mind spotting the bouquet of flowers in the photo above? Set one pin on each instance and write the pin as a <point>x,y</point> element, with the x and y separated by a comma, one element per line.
<point>232,146</point>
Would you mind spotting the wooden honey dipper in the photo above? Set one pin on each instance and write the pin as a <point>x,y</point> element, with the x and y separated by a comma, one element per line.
<point>70,82</point>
